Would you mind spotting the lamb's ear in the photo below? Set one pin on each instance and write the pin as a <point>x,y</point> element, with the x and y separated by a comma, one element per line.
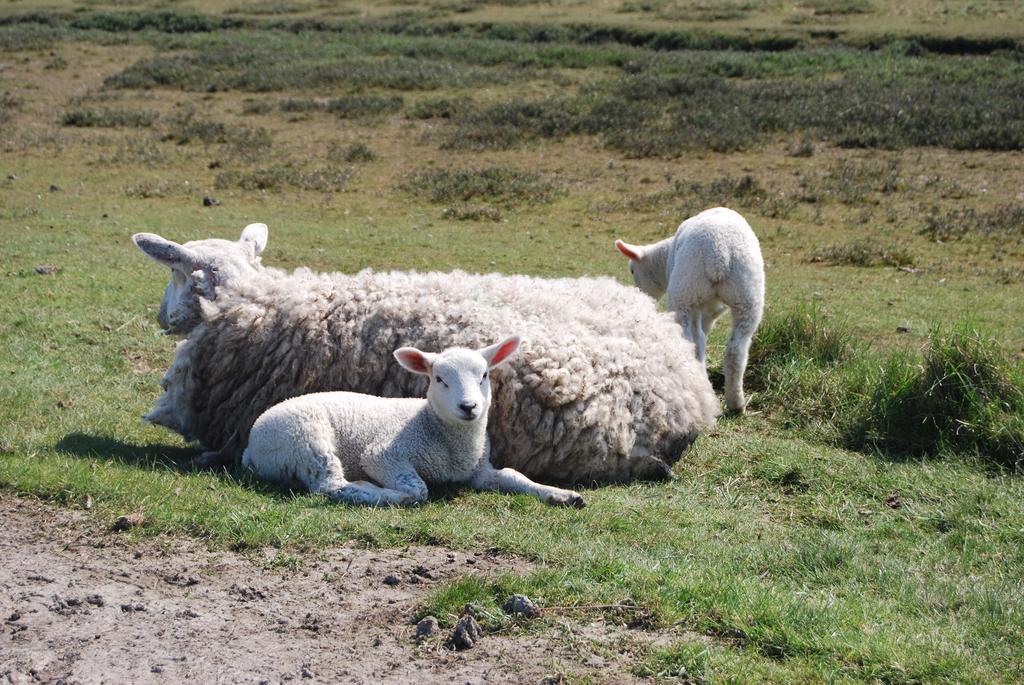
<point>634,252</point>
<point>167,252</point>
<point>257,235</point>
<point>413,360</point>
<point>500,352</point>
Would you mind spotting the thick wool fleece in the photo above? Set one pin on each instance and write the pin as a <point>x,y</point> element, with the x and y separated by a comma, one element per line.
<point>604,387</point>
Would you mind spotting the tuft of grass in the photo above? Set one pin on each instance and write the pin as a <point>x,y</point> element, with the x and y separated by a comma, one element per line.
<point>964,395</point>
<point>1004,222</point>
<point>356,152</point>
<point>282,177</point>
<point>364,105</point>
<point>9,105</point>
<point>292,67</point>
<point>688,198</point>
<point>471,212</point>
<point>109,118</point>
<point>236,141</point>
<point>501,185</point>
<point>838,7</point>
<point>862,252</point>
<point>439,108</point>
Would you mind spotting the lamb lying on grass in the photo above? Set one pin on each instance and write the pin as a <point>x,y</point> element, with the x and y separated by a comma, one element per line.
<point>713,263</point>
<point>605,388</point>
<point>331,441</point>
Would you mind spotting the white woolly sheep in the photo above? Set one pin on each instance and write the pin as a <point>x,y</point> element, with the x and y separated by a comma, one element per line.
<point>713,263</point>
<point>604,389</point>
<point>331,442</point>
<point>198,268</point>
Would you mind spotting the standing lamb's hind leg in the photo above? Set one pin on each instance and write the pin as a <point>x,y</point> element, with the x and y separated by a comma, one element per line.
<point>734,364</point>
<point>690,318</point>
<point>509,480</point>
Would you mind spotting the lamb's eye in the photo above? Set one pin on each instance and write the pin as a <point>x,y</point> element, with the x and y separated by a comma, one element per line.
<point>484,378</point>
<point>438,379</point>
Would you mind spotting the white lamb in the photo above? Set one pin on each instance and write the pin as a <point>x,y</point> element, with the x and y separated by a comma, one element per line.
<point>331,441</point>
<point>712,263</point>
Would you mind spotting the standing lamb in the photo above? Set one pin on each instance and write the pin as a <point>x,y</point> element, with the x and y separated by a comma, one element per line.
<point>605,389</point>
<point>712,263</point>
<point>331,441</point>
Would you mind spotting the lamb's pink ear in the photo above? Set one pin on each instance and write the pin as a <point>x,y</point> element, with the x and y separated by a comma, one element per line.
<point>632,251</point>
<point>413,360</point>
<point>500,352</point>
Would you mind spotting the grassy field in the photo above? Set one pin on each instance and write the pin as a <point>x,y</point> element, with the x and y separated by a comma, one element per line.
<point>863,523</point>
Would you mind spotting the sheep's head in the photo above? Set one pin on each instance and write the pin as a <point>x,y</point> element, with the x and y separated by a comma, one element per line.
<point>460,382</point>
<point>198,268</point>
<point>648,274</point>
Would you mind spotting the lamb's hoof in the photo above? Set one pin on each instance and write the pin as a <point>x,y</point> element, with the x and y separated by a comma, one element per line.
<point>567,498</point>
<point>737,408</point>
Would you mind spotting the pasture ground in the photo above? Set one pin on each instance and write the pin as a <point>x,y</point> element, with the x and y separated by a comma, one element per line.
<point>863,523</point>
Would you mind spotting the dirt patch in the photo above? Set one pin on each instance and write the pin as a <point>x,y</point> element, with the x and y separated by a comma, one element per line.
<point>80,604</point>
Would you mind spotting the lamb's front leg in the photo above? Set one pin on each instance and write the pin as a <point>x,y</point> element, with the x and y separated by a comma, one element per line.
<point>400,477</point>
<point>509,480</point>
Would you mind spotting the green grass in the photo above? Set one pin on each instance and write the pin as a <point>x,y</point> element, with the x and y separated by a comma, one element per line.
<point>863,523</point>
<point>498,184</point>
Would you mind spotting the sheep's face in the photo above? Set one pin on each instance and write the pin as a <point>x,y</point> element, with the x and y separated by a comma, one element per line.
<point>198,268</point>
<point>646,274</point>
<point>460,379</point>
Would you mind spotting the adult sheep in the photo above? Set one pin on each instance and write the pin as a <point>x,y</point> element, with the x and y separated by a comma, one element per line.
<point>604,388</point>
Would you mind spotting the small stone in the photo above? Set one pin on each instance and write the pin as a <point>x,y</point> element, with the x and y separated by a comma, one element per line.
<point>96,600</point>
<point>54,188</point>
<point>306,673</point>
<point>46,269</point>
<point>893,501</point>
<point>128,521</point>
<point>903,329</point>
<point>14,617</point>
<point>472,610</point>
<point>426,627</point>
<point>391,579</point>
<point>156,669</point>
<point>210,202</point>
<point>520,605</point>
<point>466,634</point>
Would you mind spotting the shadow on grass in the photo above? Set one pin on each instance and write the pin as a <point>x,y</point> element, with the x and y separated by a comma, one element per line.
<point>180,459</point>
<point>87,446</point>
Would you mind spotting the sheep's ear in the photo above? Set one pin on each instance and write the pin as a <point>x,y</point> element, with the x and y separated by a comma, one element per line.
<point>634,252</point>
<point>413,360</point>
<point>257,235</point>
<point>500,352</point>
<point>167,252</point>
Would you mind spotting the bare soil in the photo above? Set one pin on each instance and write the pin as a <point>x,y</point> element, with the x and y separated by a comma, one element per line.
<point>82,604</point>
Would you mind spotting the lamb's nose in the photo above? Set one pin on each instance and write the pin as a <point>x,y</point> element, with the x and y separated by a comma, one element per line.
<point>467,407</point>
